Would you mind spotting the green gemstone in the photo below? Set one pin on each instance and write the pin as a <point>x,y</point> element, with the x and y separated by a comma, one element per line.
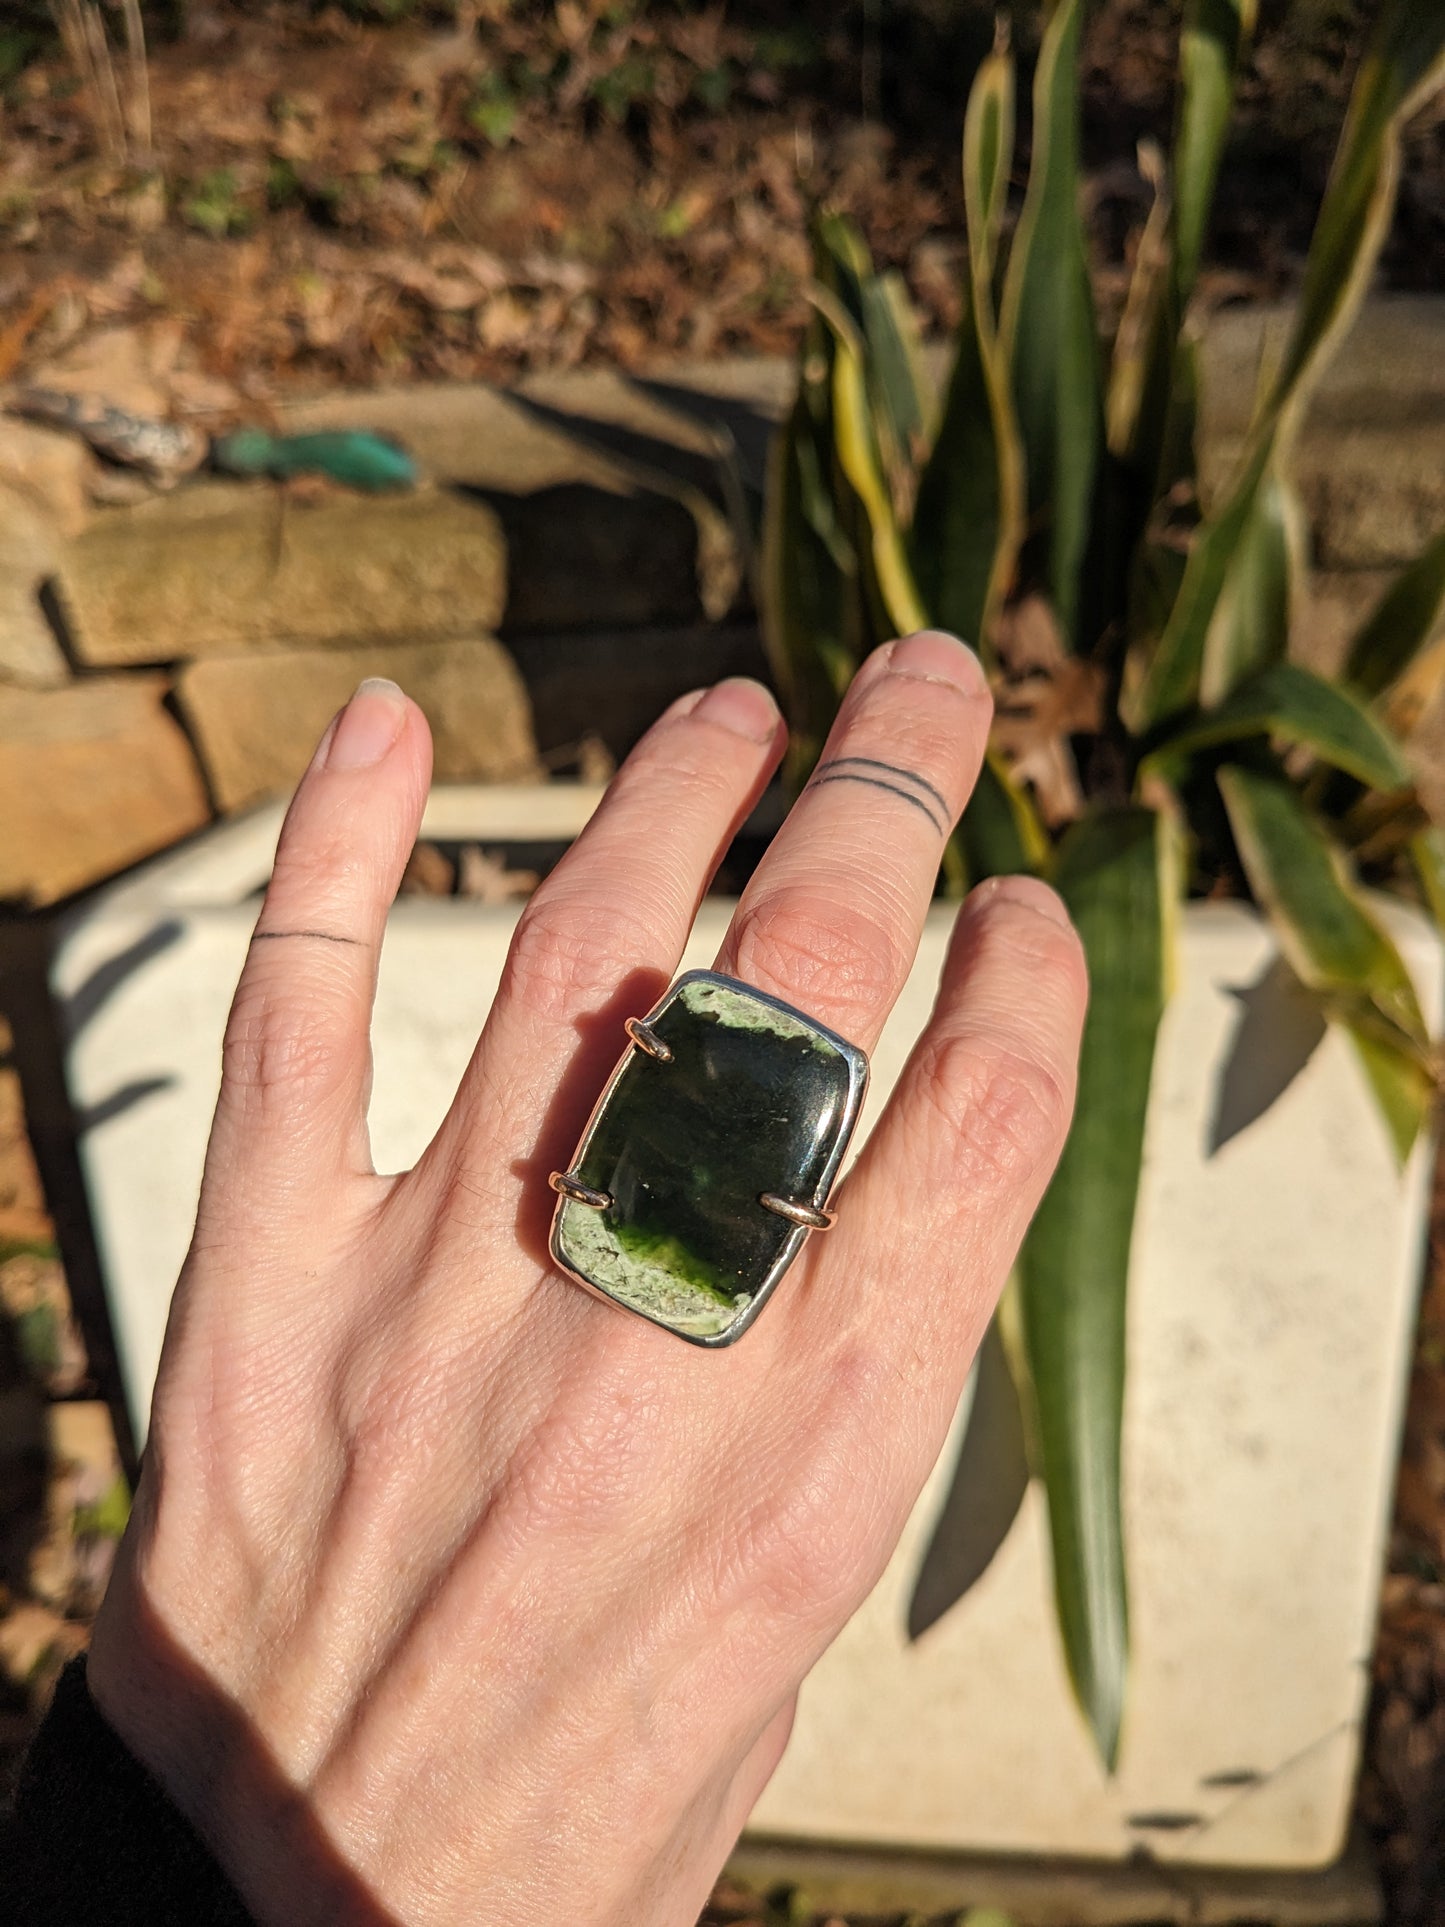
<point>756,1098</point>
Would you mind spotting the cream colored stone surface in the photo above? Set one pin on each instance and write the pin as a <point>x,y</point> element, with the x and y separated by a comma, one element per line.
<point>256,719</point>
<point>1270,1322</point>
<point>219,567</point>
<point>93,777</point>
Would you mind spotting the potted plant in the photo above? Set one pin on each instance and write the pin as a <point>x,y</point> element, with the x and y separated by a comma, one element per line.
<point>1155,743</point>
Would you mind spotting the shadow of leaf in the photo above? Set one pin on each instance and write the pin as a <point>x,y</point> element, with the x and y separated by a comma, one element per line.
<point>1279,1028</point>
<point>989,1481</point>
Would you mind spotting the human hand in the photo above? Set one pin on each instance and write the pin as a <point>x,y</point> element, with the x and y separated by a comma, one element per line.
<point>452,1593</point>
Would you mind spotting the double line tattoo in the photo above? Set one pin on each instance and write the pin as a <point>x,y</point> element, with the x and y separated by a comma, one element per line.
<point>868,769</point>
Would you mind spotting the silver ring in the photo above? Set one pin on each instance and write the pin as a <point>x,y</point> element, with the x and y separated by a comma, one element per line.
<point>708,1158</point>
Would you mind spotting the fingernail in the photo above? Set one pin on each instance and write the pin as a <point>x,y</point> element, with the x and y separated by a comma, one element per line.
<point>1029,893</point>
<point>936,656</point>
<point>368,726</point>
<point>742,706</point>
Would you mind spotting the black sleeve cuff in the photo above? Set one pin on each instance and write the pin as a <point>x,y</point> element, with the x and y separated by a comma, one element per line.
<point>93,1838</point>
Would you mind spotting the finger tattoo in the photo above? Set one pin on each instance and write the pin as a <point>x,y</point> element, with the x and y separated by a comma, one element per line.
<point>876,774</point>
<point>319,936</point>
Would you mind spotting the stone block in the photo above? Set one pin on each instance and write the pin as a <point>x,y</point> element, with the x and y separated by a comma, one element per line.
<point>610,499</point>
<point>1330,613</point>
<point>92,778</point>
<point>1370,462</point>
<point>51,470</point>
<point>29,558</point>
<point>224,567</point>
<point>256,719</point>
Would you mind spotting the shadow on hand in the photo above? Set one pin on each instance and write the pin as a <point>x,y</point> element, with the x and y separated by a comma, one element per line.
<point>133,1858</point>
<point>601,1041</point>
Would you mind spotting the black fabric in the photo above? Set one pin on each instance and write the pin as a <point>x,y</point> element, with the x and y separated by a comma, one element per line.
<point>93,1838</point>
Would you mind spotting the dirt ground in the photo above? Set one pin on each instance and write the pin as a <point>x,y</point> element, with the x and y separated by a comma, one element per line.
<point>311,195</point>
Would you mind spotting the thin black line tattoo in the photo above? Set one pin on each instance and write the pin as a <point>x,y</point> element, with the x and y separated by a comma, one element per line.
<point>321,936</point>
<point>875,783</point>
<point>889,769</point>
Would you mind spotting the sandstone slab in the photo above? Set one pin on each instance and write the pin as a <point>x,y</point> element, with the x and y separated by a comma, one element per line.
<point>223,567</point>
<point>29,558</point>
<point>92,778</point>
<point>604,494</point>
<point>256,719</point>
<point>53,471</point>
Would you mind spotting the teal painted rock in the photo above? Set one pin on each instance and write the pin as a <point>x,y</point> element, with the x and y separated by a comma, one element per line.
<point>755,1099</point>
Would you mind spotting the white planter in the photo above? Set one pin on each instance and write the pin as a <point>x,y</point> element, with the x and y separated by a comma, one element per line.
<point>1271,1313</point>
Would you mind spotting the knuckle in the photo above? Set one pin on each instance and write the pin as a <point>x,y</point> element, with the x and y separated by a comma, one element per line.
<point>275,1049</point>
<point>565,950</point>
<point>812,1543</point>
<point>1048,951</point>
<point>853,960</point>
<point>1006,1109</point>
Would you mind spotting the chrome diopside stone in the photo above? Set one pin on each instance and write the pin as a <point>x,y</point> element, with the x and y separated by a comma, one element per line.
<point>711,1160</point>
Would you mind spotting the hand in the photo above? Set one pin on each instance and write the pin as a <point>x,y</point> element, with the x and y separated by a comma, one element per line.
<point>453,1593</point>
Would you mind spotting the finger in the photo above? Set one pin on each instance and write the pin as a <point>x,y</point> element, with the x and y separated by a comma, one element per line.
<point>296,1062</point>
<point>831,919</point>
<point>965,1147</point>
<point>608,926</point>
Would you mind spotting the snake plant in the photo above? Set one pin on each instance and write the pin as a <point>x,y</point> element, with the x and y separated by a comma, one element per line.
<point>1154,739</point>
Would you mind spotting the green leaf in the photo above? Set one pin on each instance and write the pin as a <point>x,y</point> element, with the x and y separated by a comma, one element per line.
<point>1300,708</point>
<point>806,577</point>
<point>1251,622</point>
<point>1398,69</point>
<point>1171,681</point>
<point>1332,942</point>
<point>1137,394</point>
<point>895,366</point>
<point>953,541</point>
<point>1213,36</point>
<point>1114,872</point>
<point>1427,854</point>
<point>885,327</point>
<point>1153,399</point>
<point>1403,623</point>
<point>1000,833</point>
<point>856,443</point>
<point>968,521</point>
<point>1048,330</point>
<point>1402,1086</point>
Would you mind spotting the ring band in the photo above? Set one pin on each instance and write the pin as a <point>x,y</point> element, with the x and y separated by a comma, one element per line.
<point>708,1158</point>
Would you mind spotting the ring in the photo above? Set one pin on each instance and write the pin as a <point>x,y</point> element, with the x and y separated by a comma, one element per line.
<point>708,1158</point>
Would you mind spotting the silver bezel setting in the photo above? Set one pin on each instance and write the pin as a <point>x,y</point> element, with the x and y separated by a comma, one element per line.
<point>857,1063</point>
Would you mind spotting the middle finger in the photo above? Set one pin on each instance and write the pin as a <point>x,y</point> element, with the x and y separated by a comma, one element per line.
<point>831,918</point>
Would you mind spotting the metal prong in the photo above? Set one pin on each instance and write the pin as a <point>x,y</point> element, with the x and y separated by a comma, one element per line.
<point>570,1187</point>
<point>804,1214</point>
<point>647,1039</point>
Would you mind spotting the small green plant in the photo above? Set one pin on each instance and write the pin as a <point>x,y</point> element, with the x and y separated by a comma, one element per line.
<point>1154,739</point>
<point>214,205</point>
